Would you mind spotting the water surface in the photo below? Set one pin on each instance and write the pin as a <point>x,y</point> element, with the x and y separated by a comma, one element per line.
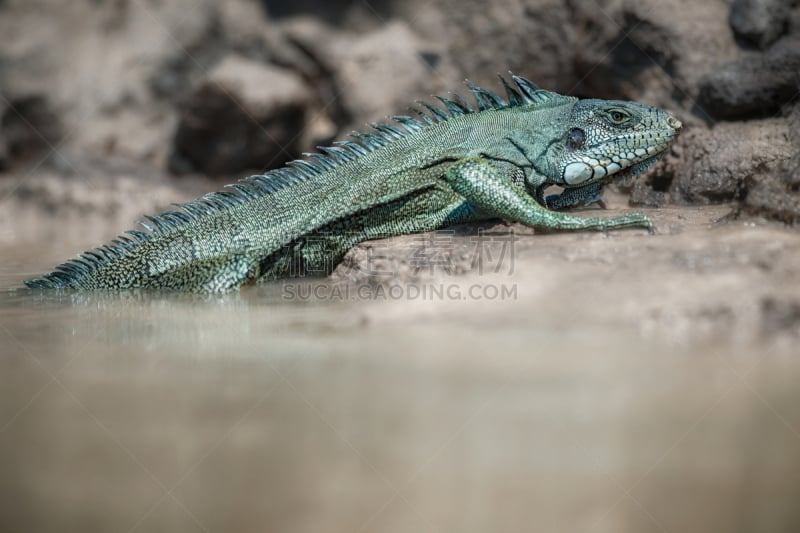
<point>251,411</point>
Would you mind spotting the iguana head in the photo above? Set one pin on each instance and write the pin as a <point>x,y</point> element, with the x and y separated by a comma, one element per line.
<point>607,138</point>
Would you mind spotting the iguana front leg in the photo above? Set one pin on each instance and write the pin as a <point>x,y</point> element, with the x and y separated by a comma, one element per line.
<point>486,189</point>
<point>586,195</point>
<point>572,197</point>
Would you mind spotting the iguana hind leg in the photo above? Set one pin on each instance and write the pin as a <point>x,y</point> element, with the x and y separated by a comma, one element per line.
<point>486,189</point>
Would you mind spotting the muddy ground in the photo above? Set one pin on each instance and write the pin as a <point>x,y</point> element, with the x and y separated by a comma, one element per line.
<point>111,110</point>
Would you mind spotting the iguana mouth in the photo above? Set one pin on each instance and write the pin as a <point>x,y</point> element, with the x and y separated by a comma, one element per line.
<point>580,173</point>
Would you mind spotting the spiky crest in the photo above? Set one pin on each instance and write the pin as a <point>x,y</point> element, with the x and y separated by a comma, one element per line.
<point>523,92</point>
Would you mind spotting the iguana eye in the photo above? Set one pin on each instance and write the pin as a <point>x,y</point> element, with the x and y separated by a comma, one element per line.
<point>618,116</point>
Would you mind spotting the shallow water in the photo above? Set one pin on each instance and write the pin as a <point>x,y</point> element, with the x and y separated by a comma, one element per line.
<point>251,411</point>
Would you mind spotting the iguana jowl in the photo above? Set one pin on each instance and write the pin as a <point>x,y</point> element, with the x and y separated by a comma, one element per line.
<point>452,164</point>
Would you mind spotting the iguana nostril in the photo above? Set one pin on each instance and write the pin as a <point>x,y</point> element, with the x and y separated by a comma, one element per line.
<point>674,123</point>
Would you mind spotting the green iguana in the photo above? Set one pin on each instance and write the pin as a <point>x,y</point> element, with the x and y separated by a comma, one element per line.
<point>452,164</point>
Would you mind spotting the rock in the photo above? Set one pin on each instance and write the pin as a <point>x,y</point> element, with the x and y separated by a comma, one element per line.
<point>362,75</point>
<point>759,22</point>
<point>243,19</point>
<point>776,195</point>
<point>626,53</point>
<point>3,142</point>
<point>238,27</point>
<point>247,31</point>
<point>93,62</point>
<point>87,196</point>
<point>757,85</point>
<point>780,315</point>
<point>28,129</point>
<point>3,153</point>
<point>351,14</point>
<point>650,52</point>
<point>367,86</point>
<point>644,194</point>
<point>654,52</point>
<point>794,21</point>
<point>245,116</point>
<point>723,163</point>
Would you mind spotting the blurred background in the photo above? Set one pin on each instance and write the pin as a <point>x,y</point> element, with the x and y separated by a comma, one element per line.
<point>632,383</point>
<point>134,93</point>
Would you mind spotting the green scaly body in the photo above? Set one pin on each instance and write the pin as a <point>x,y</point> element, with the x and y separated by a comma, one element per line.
<point>453,164</point>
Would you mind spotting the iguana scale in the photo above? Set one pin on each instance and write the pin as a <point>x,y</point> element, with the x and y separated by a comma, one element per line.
<point>452,163</point>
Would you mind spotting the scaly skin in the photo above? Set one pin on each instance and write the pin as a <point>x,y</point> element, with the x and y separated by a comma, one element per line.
<point>456,164</point>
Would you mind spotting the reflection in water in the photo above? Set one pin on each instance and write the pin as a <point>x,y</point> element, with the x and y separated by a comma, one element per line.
<point>206,323</point>
<point>247,411</point>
